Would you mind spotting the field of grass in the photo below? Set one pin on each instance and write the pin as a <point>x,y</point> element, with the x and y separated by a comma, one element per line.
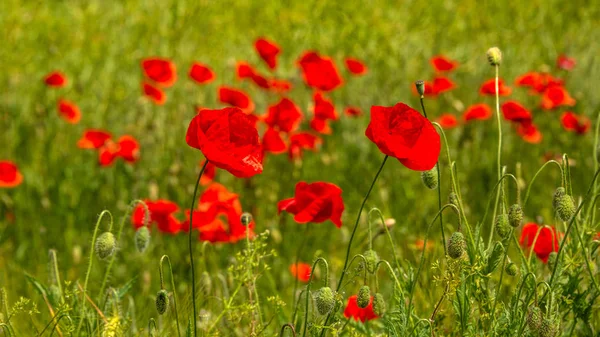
<point>99,46</point>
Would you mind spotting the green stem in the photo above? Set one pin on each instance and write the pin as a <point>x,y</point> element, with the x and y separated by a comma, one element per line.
<point>290,326</point>
<point>500,282</point>
<point>312,272</point>
<point>172,286</point>
<point>387,232</point>
<point>535,176</point>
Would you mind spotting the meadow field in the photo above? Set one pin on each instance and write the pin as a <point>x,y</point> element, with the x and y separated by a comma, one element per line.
<point>277,168</point>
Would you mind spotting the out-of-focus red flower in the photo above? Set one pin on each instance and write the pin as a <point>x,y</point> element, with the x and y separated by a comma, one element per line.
<point>55,79</point>
<point>279,85</point>
<point>319,72</point>
<point>273,142</point>
<point>359,314</point>
<point>515,112</point>
<point>479,111</point>
<point>546,243</point>
<point>161,213</point>
<point>236,98</point>
<point>93,139</point>
<point>538,82</point>
<point>129,149</point>
<point>566,63</point>
<point>442,63</point>
<point>324,110</point>
<point>442,84</point>
<point>228,138</point>
<point>556,96</point>
<point>531,79</point>
<point>301,271</point>
<point>9,174</point>
<point>268,51</point>
<point>353,111</point>
<point>246,71</point>
<point>108,153</point>
<point>316,202</point>
<point>302,141</point>
<point>155,94</point>
<point>355,66</point>
<point>448,121</point>
<point>201,73</point>
<point>285,115</point>
<point>69,111</point>
<point>573,122</point>
<point>160,70</point>
<point>489,88</point>
<point>530,133</point>
<point>403,133</point>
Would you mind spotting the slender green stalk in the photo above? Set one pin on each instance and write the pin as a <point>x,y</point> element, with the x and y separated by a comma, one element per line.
<point>387,232</point>
<point>160,269</point>
<point>287,326</point>
<point>596,160</point>
<point>312,273</point>
<point>55,274</point>
<point>536,175</point>
<point>500,283</point>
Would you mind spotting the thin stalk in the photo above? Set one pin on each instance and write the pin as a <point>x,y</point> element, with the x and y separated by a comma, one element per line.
<point>290,326</point>
<point>535,176</point>
<point>500,282</point>
<point>312,272</point>
<point>172,287</point>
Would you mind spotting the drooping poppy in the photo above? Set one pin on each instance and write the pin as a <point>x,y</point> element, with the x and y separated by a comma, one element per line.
<point>319,71</point>
<point>69,111</point>
<point>572,122</point>
<point>355,66</point>
<point>529,132</point>
<point>93,139</point>
<point>302,141</point>
<point>160,70</point>
<point>161,213</point>
<point>201,73</point>
<point>236,98</point>
<point>284,115</point>
<point>566,63</point>
<point>515,112</point>
<point>268,51</point>
<point>273,142</point>
<point>301,271</point>
<point>479,111</point>
<point>353,111</point>
<point>403,133</point>
<point>316,202</point>
<point>546,243</point>
<point>55,79</point>
<point>447,121</point>
<point>442,84</point>
<point>359,314</point>
<point>155,94</point>
<point>442,63</point>
<point>10,176</point>
<point>556,96</point>
<point>489,88</point>
<point>228,138</point>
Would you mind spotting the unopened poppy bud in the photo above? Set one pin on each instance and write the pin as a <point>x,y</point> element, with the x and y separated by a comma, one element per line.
<point>378,304</point>
<point>246,219</point>
<point>453,199</point>
<point>534,318</point>
<point>142,239</point>
<point>560,191</point>
<point>364,297</point>
<point>456,245</point>
<point>325,300</point>
<point>162,301</point>
<point>563,204</point>
<point>494,56</point>
<point>548,328</point>
<point>372,260</point>
<point>512,269</point>
<point>515,215</point>
<point>106,244</point>
<point>502,227</point>
<point>420,85</point>
<point>430,178</point>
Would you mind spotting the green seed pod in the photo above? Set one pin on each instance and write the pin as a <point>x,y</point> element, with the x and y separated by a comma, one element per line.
<point>430,178</point>
<point>372,260</point>
<point>502,227</point>
<point>106,245</point>
<point>246,219</point>
<point>456,245</point>
<point>364,297</point>
<point>512,269</point>
<point>515,215</point>
<point>534,318</point>
<point>378,305</point>
<point>142,239</point>
<point>548,328</point>
<point>494,56</point>
<point>564,205</point>
<point>495,257</point>
<point>420,85</point>
<point>552,259</point>
<point>162,301</point>
<point>325,300</point>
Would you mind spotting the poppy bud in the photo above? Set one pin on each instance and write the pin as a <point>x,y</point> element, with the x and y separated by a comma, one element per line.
<point>364,297</point>
<point>456,245</point>
<point>453,199</point>
<point>430,178</point>
<point>495,257</point>
<point>142,239</point>
<point>372,260</point>
<point>246,219</point>
<point>563,204</point>
<point>534,318</point>
<point>502,227</point>
<point>378,304</point>
<point>560,191</point>
<point>515,215</point>
<point>548,328</point>
<point>420,85</point>
<point>512,269</point>
<point>325,300</point>
<point>494,56</point>
<point>162,301</point>
<point>106,245</point>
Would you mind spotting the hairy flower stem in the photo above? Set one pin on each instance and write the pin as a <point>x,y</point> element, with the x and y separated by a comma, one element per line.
<point>312,272</point>
<point>193,279</point>
<point>500,282</point>
<point>160,269</point>
<point>499,159</point>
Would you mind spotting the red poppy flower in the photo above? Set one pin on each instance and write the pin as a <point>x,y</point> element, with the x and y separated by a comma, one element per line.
<point>403,133</point>
<point>355,66</point>
<point>302,141</point>
<point>316,202</point>
<point>513,111</point>
<point>236,98</point>
<point>556,96</point>
<point>546,243</point>
<point>573,122</point>
<point>324,110</point>
<point>538,82</point>
<point>566,63</point>
<point>447,121</point>
<point>489,88</point>
<point>353,111</point>
<point>531,79</point>
<point>301,271</point>
<point>69,111</point>
<point>108,153</point>
<point>129,149</point>
<point>160,70</point>
<point>479,111</point>
<point>155,94</point>
<point>319,72</point>
<point>93,139</point>
<point>9,174</point>
<point>530,133</point>
<point>268,51</point>
<point>161,214</point>
<point>273,142</point>
<point>284,115</point>
<point>359,314</point>
<point>209,173</point>
<point>227,138</point>
<point>442,84</point>
<point>55,79</point>
<point>279,85</point>
<point>201,73</point>
<point>245,71</point>
<point>442,63</point>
